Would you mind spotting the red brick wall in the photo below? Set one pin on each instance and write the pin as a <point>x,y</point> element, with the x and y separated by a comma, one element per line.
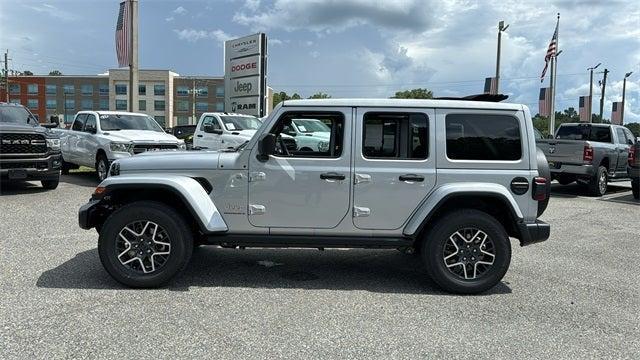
<point>24,82</point>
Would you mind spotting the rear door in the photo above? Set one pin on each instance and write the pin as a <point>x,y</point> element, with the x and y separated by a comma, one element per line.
<point>88,145</point>
<point>622,149</point>
<point>393,159</point>
<point>74,136</point>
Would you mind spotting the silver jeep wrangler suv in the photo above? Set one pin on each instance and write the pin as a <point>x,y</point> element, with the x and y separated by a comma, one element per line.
<point>451,180</point>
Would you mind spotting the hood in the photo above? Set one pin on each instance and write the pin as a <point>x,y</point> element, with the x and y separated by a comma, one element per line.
<point>318,135</point>
<point>247,134</point>
<point>24,128</point>
<point>146,136</point>
<point>170,160</point>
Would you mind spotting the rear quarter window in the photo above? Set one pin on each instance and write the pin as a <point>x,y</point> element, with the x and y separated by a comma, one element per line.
<point>483,137</point>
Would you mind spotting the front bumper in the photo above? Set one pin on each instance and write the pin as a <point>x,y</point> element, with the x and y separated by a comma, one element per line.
<point>44,168</point>
<point>579,170</point>
<point>87,214</point>
<point>531,233</point>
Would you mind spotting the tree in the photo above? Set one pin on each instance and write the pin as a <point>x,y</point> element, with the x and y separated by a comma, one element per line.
<point>281,96</point>
<point>320,95</point>
<point>55,73</point>
<point>635,128</point>
<point>27,73</point>
<point>414,94</point>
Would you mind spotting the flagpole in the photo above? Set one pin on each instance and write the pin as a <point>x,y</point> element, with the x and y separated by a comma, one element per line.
<point>133,61</point>
<point>552,82</point>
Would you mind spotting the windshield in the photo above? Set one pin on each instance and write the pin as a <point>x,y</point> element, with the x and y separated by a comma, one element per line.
<point>15,115</point>
<point>240,123</point>
<point>112,122</point>
<point>584,132</point>
<point>309,126</point>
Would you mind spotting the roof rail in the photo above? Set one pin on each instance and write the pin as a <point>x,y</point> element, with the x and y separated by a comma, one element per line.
<point>477,97</point>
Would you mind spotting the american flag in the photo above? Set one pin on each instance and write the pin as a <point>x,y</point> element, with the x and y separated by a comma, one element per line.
<point>551,51</point>
<point>544,104</point>
<point>583,109</point>
<point>616,113</point>
<point>490,85</point>
<point>123,35</point>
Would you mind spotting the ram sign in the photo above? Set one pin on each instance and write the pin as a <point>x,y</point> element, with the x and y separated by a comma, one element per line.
<point>245,65</point>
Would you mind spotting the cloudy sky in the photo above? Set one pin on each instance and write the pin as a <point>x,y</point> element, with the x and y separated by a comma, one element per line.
<point>348,48</point>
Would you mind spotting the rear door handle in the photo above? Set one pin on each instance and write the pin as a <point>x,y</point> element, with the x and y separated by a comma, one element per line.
<point>411,177</point>
<point>199,135</point>
<point>332,176</point>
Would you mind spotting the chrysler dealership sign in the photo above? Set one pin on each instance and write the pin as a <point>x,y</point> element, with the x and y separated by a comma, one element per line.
<point>245,65</point>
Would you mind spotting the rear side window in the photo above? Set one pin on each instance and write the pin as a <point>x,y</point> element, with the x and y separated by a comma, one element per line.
<point>78,125</point>
<point>483,137</point>
<point>391,135</point>
<point>622,137</point>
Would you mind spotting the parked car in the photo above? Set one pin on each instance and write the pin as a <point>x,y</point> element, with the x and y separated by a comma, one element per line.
<point>634,168</point>
<point>310,134</point>
<point>374,187</point>
<point>590,154</point>
<point>28,151</point>
<point>183,132</point>
<point>97,138</point>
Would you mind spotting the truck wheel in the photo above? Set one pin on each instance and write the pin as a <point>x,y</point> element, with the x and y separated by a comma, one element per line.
<point>466,252</point>
<point>102,167</point>
<point>635,188</point>
<point>598,183</point>
<point>145,244</point>
<point>50,184</point>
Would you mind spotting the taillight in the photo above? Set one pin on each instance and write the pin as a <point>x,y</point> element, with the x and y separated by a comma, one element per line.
<point>539,192</point>
<point>587,154</point>
<point>632,155</point>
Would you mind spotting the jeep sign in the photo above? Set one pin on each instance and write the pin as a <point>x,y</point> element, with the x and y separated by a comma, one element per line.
<point>244,75</point>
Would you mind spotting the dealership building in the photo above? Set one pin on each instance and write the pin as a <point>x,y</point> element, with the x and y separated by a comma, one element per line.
<point>166,96</point>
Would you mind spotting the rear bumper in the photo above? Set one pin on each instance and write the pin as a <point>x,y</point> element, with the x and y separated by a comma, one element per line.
<point>45,168</point>
<point>534,232</point>
<point>578,170</point>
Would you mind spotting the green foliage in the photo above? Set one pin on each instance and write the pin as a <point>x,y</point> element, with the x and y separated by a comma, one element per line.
<point>414,94</point>
<point>635,128</point>
<point>55,73</point>
<point>281,96</point>
<point>27,73</point>
<point>320,95</point>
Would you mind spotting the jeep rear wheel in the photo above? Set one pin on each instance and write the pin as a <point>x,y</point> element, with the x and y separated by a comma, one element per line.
<point>145,244</point>
<point>467,252</point>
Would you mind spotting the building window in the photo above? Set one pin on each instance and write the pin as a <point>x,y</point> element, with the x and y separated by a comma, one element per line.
<point>220,91</point>
<point>68,118</point>
<point>160,120</point>
<point>32,89</point>
<point>50,89</point>
<point>201,106</point>
<point>183,120</point>
<point>104,104</point>
<point>483,137</point>
<point>182,90</point>
<point>52,104</point>
<point>70,104</point>
<point>86,89</point>
<point>142,105</point>
<point>121,104</point>
<point>182,105</point>
<point>142,89</point>
<point>32,103</point>
<point>219,106</point>
<point>202,91</point>
<point>86,104</point>
<point>121,89</point>
<point>158,105</point>
<point>68,89</point>
<point>15,101</point>
<point>158,90</point>
<point>14,89</point>
<point>104,89</point>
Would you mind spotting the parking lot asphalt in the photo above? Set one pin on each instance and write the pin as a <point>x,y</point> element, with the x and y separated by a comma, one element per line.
<point>574,296</point>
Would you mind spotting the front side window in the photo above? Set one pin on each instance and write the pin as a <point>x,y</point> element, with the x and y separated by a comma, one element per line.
<point>158,105</point>
<point>158,90</point>
<point>86,89</point>
<point>329,147</point>
<point>121,104</point>
<point>210,120</point>
<point>483,137</point>
<point>90,123</point>
<point>50,89</point>
<point>115,122</point>
<point>121,89</point>
<point>78,124</point>
<point>32,89</point>
<point>395,135</point>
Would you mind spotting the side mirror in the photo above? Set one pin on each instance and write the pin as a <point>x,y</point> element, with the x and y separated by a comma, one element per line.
<point>208,128</point>
<point>266,146</point>
<point>54,120</point>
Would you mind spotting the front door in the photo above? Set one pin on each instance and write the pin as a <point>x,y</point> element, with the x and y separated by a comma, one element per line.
<point>394,165</point>
<point>303,189</point>
<point>209,140</point>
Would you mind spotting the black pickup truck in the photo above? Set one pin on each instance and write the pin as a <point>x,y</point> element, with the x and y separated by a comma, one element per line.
<point>28,151</point>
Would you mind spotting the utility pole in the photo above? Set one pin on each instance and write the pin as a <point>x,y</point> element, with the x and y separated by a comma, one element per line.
<point>624,89</point>
<point>591,88</point>
<point>193,92</point>
<point>6,74</point>
<point>501,28</point>
<point>604,85</point>
<point>133,61</point>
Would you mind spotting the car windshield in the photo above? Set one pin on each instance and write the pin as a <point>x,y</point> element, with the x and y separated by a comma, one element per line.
<point>112,122</point>
<point>584,132</point>
<point>240,123</point>
<point>15,115</point>
<point>309,125</point>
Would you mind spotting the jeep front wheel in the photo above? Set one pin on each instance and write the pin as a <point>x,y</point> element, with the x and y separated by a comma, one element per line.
<point>467,252</point>
<point>145,244</point>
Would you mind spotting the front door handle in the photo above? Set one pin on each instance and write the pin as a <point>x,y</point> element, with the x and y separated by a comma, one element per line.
<point>411,178</point>
<point>199,135</point>
<point>332,176</point>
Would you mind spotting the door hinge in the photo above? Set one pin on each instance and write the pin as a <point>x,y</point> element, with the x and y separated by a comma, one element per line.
<point>362,178</point>
<point>257,176</point>
<point>255,209</point>
<point>359,211</point>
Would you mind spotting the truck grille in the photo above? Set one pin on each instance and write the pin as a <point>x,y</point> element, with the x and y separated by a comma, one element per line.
<point>137,149</point>
<point>24,165</point>
<point>22,144</point>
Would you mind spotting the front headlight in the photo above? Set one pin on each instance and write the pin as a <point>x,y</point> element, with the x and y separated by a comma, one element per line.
<point>114,170</point>
<point>182,146</point>
<point>120,147</point>
<point>323,146</point>
<point>53,144</point>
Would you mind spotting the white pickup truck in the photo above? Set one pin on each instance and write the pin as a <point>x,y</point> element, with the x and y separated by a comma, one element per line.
<point>97,138</point>
<point>310,134</point>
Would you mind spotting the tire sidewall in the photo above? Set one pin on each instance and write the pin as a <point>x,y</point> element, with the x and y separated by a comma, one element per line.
<point>102,158</point>
<point>437,238</point>
<point>181,243</point>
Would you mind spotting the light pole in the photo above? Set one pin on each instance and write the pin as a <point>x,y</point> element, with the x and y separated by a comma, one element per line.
<point>624,89</point>
<point>193,92</point>
<point>591,86</point>
<point>604,87</point>
<point>501,28</point>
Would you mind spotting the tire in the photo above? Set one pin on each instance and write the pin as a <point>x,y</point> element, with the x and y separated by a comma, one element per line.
<point>438,245</point>
<point>635,188</point>
<point>50,184</point>
<point>102,167</point>
<point>598,183</point>
<point>156,271</point>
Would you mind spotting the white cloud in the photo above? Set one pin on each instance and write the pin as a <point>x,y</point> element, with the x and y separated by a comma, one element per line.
<point>169,19</point>
<point>274,41</point>
<point>52,11</point>
<point>193,35</point>
<point>252,5</point>
<point>180,10</point>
